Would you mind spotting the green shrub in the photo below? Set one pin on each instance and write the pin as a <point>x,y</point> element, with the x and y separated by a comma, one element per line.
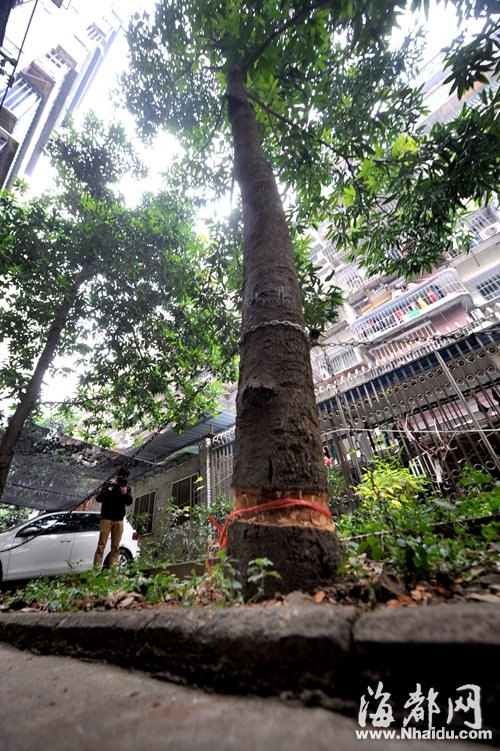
<point>12,515</point>
<point>183,534</point>
<point>406,524</point>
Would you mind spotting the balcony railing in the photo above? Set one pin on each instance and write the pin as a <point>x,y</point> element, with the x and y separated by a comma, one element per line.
<point>349,279</point>
<point>483,224</point>
<point>399,313</point>
<point>343,358</point>
<point>487,284</point>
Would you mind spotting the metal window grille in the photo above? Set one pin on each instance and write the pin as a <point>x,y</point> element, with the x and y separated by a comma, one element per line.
<point>333,255</point>
<point>19,98</point>
<point>185,492</point>
<point>341,359</point>
<point>145,505</point>
<point>413,340</point>
<point>490,288</point>
<point>349,280</point>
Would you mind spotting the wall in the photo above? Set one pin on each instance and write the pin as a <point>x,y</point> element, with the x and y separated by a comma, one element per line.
<point>160,481</point>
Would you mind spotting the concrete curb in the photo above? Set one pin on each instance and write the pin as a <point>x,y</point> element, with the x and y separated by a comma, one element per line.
<point>326,654</point>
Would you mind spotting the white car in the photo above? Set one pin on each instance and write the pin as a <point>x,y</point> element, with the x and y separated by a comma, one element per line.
<point>57,543</point>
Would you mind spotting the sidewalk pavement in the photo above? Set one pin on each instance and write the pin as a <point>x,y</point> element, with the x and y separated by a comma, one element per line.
<point>322,654</point>
<point>61,704</point>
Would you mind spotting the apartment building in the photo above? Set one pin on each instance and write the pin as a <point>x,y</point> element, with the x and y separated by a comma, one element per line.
<point>383,317</point>
<point>50,54</point>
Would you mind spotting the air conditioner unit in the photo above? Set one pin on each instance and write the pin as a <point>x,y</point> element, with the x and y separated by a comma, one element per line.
<point>489,231</point>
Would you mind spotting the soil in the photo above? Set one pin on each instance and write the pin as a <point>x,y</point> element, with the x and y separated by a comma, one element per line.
<point>381,588</point>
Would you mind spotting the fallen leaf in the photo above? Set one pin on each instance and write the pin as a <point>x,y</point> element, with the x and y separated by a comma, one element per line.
<point>126,602</point>
<point>420,593</point>
<point>392,584</point>
<point>400,602</point>
<point>319,596</point>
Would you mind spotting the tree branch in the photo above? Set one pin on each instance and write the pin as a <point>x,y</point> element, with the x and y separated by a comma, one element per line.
<point>291,124</point>
<point>302,13</point>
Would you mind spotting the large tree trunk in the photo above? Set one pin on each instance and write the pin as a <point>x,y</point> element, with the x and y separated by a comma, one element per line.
<point>30,395</point>
<point>278,451</point>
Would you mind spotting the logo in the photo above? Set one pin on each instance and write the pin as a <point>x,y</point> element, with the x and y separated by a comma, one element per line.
<point>424,718</point>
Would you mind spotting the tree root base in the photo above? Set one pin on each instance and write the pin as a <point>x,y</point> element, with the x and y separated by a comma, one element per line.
<point>306,558</point>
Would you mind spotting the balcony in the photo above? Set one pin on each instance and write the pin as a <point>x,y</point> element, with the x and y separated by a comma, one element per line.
<point>436,295</point>
<point>486,284</point>
<point>483,224</point>
<point>349,279</point>
<point>343,359</point>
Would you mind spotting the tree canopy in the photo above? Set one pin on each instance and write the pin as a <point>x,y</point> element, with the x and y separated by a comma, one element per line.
<point>339,111</point>
<point>125,291</point>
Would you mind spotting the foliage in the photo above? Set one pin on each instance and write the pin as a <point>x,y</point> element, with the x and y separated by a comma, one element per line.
<point>257,572</point>
<point>320,297</point>
<point>340,114</point>
<point>182,533</point>
<point>336,490</point>
<point>405,524</point>
<point>145,315</point>
<point>94,160</point>
<point>422,189</point>
<point>224,578</point>
<point>114,588</point>
<point>10,516</point>
<point>93,588</point>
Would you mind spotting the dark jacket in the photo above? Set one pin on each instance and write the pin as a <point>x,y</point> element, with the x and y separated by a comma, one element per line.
<point>113,503</point>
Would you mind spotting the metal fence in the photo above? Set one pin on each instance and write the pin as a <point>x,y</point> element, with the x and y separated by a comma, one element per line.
<point>437,407</point>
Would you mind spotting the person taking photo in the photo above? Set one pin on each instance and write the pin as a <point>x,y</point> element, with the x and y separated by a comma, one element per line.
<point>113,501</point>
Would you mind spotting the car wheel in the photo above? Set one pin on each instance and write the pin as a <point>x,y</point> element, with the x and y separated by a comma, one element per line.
<point>124,559</point>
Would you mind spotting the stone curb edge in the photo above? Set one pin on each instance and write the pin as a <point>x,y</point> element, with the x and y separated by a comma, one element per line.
<point>325,654</point>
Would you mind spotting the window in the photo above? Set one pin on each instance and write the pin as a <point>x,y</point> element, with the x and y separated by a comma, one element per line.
<point>145,508</point>
<point>87,522</point>
<point>185,492</point>
<point>51,525</point>
<point>19,98</point>
<point>55,59</point>
<point>490,288</point>
<point>95,33</point>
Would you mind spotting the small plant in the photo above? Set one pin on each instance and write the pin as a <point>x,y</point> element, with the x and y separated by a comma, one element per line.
<point>403,523</point>
<point>182,533</point>
<point>258,571</point>
<point>73,591</point>
<point>336,490</point>
<point>224,578</point>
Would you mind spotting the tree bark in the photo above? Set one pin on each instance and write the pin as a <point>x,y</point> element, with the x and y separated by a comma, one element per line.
<point>28,399</point>
<point>278,450</point>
